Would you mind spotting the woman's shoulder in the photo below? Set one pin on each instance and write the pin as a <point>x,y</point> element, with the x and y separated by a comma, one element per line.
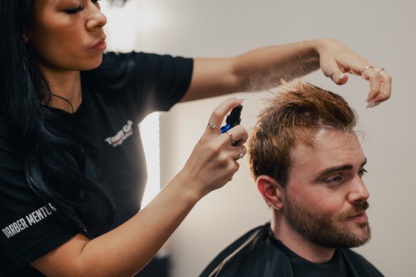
<point>116,70</point>
<point>128,60</point>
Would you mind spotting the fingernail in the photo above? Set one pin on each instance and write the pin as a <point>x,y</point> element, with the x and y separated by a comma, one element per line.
<point>370,104</point>
<point>375,105</point>
<point>241,98</point>
<point>341,76</point>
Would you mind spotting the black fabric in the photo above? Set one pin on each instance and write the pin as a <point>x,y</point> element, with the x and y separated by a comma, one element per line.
<point>259,254</point>
<point>106,124</point>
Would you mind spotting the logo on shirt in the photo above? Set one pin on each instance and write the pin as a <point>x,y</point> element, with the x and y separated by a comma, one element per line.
<point>29,220</point>
<point>121,135</point>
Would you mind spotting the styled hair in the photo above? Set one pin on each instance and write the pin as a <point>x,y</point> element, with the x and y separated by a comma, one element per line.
<point>54,162</point>
<point>295,114</point>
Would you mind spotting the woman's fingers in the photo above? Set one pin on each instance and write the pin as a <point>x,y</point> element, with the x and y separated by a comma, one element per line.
<point>385,86</point>
<point>222,110</point>
<point>237,135</point>
<point>334,72</point>
<point>380,81</point>
<point>370,74</point>
<point>339,77</point>
<point>242,151</point>
<point>336,59</point>
<point>380,84</point>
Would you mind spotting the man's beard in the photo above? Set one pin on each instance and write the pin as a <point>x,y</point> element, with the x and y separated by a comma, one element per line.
<point>320,228</point>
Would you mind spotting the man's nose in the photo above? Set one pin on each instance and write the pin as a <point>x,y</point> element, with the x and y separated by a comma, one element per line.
<point>358,192</point>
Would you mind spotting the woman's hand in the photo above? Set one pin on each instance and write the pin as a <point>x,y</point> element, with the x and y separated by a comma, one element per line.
<point>128,248</point>
<point>336,59</point>
<point>213,161</point>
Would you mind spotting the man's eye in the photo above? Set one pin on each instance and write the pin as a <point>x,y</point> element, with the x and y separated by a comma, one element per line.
<point>95,1</point>
<point>333,181</point>
<point>72,11</point>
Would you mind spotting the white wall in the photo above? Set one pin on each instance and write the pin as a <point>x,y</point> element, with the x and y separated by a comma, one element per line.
<point>381,31</point>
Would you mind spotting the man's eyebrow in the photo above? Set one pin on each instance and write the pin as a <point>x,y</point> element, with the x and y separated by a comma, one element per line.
<point>337,168</point>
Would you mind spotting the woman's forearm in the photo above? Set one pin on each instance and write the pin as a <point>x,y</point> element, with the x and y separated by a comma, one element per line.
<point>127,249</point>
<point>256,70</point>
<point>263,68</point>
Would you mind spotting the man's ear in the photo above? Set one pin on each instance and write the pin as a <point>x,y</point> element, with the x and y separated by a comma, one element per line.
<point>271,191</point>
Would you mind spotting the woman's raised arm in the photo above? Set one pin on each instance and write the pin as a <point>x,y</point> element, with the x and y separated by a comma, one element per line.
<point>263,68</point>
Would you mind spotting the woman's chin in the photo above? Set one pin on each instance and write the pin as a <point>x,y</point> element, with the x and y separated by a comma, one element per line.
<point>92,64</point>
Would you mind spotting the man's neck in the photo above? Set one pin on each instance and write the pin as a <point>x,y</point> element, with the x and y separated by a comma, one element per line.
<point>65,84</point>
<point>301,246</point>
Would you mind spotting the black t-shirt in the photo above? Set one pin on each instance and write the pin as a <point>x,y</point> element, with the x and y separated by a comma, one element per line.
<point>106,124</point>
<point>259,254</point>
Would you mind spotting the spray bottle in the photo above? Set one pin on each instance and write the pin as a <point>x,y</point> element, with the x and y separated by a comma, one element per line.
<point>233,119</point>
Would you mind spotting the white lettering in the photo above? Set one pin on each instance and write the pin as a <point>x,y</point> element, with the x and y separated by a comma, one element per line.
<point>108,140</point>
<point>34,214</point>
<point>48,212</point>
<point>12,229</point>
<point>16,227</point>
<point>39,214</point>
<point>43,210</point>
<point>30,219</point>
<point>5,233</point>
<point>52,207</point>
<point>9,231</point>
<point>126,128</point>
<point>23,223</point>
<point>117,137</point>
<point>20,225</point>
<point>125,132</point>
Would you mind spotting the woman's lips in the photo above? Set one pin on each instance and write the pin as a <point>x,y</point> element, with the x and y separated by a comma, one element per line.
<point>100,46</point>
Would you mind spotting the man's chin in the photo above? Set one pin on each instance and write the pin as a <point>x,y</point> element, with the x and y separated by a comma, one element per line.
<point>363,235</point>
<point>360,230</point>
<point>357,237</point>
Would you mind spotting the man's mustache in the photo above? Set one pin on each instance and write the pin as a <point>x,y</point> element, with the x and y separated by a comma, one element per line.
<point>357,208</point>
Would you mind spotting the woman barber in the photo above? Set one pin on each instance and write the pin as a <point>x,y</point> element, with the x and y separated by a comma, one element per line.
<point>71,160</point>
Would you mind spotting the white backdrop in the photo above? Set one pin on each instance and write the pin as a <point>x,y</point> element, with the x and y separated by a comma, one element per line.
<point>381,31</point>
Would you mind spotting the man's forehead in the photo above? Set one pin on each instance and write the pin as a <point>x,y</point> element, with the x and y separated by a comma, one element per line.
<point>328,146</point>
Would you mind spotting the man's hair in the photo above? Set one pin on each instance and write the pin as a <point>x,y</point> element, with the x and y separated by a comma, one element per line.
<point>295,114</point>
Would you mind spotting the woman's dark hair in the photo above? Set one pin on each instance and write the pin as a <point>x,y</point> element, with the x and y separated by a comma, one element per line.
<point>54,162</point>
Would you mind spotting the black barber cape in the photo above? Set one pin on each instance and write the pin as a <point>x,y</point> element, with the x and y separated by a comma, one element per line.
<point>259,254</point>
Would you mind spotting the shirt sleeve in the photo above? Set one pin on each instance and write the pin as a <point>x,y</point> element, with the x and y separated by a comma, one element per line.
<point>144,82</point>
<point>28,227</point>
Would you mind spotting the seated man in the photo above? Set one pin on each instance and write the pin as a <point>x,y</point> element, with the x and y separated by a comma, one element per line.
<point>309,166</point>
